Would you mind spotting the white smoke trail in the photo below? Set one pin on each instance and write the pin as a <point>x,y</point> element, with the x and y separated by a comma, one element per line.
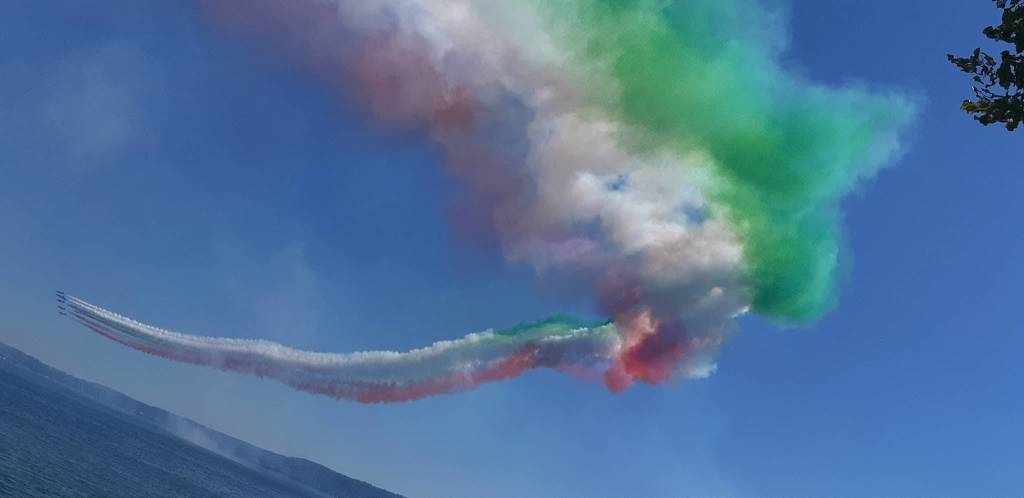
<point>373,376</point>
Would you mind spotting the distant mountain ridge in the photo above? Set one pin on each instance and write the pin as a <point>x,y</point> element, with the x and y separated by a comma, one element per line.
<point>300,473</point>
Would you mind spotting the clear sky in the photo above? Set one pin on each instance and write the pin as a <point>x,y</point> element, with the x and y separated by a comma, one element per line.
<point>163,169</point>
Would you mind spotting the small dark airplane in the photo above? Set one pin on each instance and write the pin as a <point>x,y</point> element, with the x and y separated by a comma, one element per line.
<point>61,302</point>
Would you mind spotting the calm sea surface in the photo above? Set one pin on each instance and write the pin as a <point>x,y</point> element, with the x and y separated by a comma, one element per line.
<point>54,442</point>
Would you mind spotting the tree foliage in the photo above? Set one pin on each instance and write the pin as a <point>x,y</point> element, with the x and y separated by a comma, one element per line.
<point>998,81</point>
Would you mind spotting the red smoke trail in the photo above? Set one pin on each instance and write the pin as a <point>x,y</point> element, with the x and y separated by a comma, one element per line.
<point>652,345</point>
<point>650,352</point>
<point>510,367</point>
<point>170,354</point>
<point>364,392</point>
<point>370,392</point>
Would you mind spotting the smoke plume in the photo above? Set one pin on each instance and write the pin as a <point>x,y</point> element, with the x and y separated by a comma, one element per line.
<point>659,149</point>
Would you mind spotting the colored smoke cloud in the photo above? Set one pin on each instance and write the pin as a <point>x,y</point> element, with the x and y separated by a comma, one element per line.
<point>659,149</point>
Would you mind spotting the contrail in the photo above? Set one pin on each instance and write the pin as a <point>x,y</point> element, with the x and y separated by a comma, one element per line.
<point>373,376</point>
<point>662,151</point>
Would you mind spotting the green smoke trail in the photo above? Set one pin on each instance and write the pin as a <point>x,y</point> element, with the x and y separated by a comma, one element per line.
<point>706,75</point>
<point>558,324</point>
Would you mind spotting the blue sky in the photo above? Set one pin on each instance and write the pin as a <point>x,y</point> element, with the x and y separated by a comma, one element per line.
<point>162,169</point>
